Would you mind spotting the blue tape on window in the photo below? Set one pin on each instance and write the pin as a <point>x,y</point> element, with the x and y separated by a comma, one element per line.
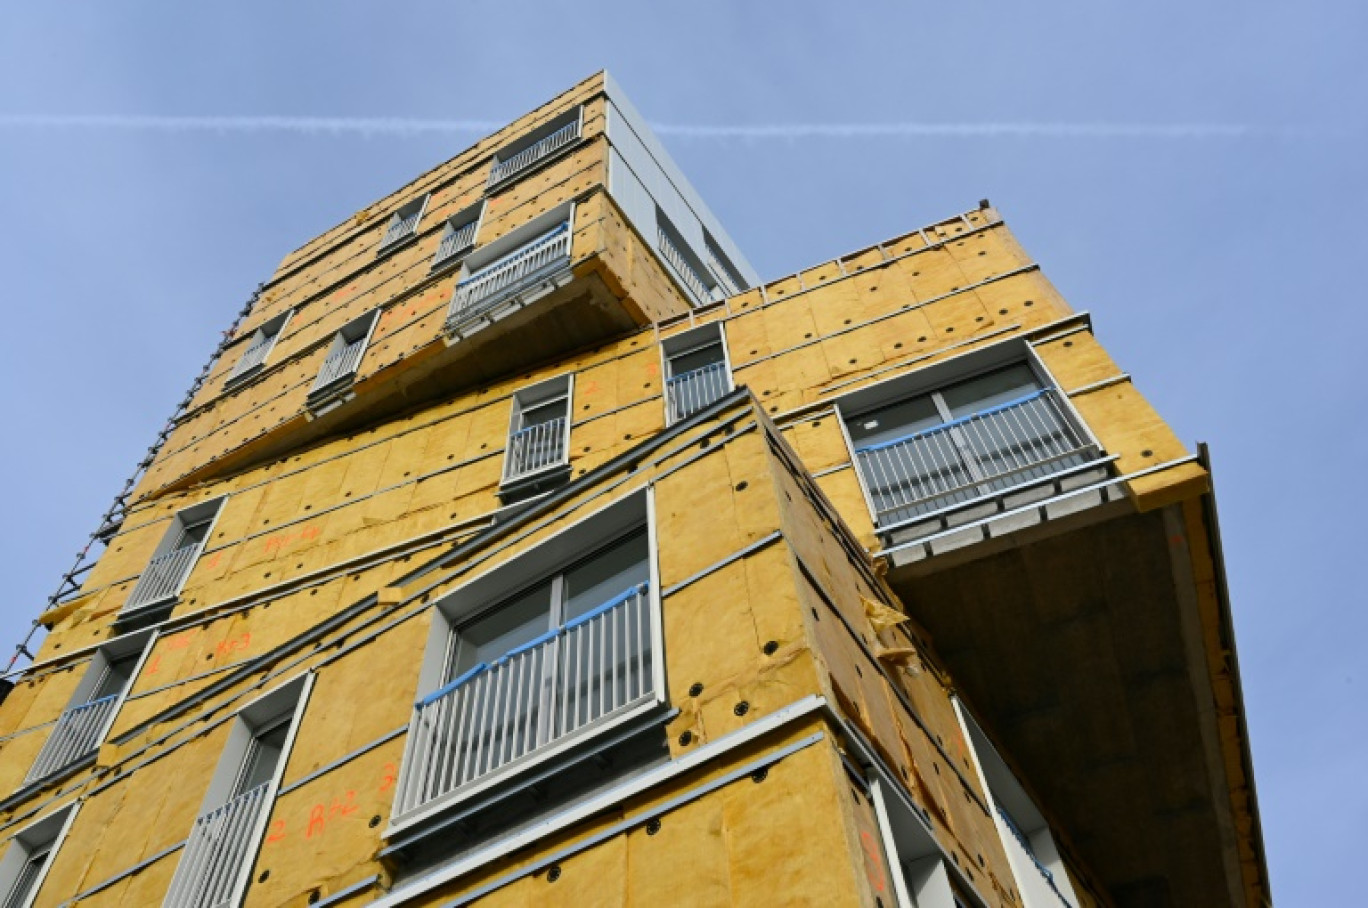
<point>954,422</point>
<point>445,689</point>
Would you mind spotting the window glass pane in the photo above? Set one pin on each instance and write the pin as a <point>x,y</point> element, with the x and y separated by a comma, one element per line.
<point>989,390</point>
<point>893,421</point>
<point>612,571</point>
<point>495,633</point>
<point>696,359</point>
<point>262,757</point>
<point>536,414</point>
<point>115,677</point>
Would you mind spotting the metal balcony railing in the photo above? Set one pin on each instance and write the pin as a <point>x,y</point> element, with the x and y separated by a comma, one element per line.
<point>564,682</point>
<point>401,226</point>
<point>254,356</point>
<point>454,240</point>
<point>339,364</point>
<point>691,391</point>
<point>535,448</point>
<point>1008,445</point>
<point>510,274</point>
<point>75,736</point>
<point>683,268</point>
<point>538,151</point>
<point>163,577</point>
<point>217,852</point>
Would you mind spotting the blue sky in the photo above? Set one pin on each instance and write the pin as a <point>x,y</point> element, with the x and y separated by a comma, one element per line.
<point>1217,261</point>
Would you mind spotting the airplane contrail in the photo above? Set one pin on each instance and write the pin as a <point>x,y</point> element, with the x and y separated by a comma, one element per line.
<point>408,127</point>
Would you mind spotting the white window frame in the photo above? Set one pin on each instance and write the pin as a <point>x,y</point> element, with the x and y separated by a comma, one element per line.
<point>260,715</point>
<point>104,657</point>
<point>668,232</point>
<point>933,378</point>
<point>335,392</point>
<point>555,553</point>
<point>1005,793</point>
<point>185,519</point>
<point>532,397</point>
<point>688,342</point>
<point>922,877</point>
<point>417,208</point>
<point>471,214</point>
<point>49,832</point>
<point>268,334</point>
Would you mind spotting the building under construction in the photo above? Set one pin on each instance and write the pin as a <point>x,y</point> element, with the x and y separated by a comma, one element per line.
<point>520,546</point>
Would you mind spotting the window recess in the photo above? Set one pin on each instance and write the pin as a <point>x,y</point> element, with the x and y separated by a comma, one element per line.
<point>697,371</point>
<point>174,558</point>
<point>531,674</point>
<point>403,225</point>
<point>332,386</point>
<point>458,237</point>
<point>87,718</point>
<point>259,347</point>
<point>218,855</point>
<point>684,263</point>
<point>925,454</point>
<point>538,452</point>
<point>29,856</point>
<point>536,147</point>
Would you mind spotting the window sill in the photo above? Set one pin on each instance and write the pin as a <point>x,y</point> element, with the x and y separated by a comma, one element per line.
<point>528,485</point>
<point>395,245</point>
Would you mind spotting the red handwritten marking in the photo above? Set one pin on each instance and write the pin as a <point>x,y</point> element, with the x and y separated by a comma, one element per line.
<point>153,665</point>
<point>280,540</point>
<point>318,821</point>
<point>227,647</point>
<point>277,832</point>
<point>872,855</point>
<point>589,387</point>
<point>180,641</point>
<point>214,560</point>
<point>387,780</point>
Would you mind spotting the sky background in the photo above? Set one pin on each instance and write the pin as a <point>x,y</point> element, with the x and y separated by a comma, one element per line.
<point>1216,259</point>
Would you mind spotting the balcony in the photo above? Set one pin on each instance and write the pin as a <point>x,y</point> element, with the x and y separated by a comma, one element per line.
<point>975,466</point>
<point>218,851</point>
<point>538,151</point>
<point>531,702</point>
<point>701,288</point>
<point>163,578</point>
<point>454,241</point>
<point>75,737</point>
<point>254,356</point>
<point>691,391</point>
<point>519,271</point>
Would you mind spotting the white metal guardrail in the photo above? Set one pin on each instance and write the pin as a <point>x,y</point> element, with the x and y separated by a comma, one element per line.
<point>76,735</point>
<point>686,271</point>
<point>339,364</point>
<point>1008,445</point>
<point>510,274</point>
<point>691,391</point>
<point>254,356</point>
<point>164,576</point>
<point>217,852</point>
<point>1037,890</point>
<point>401,226</point>
<point>565,681</point>
<point>536,447</point>
<point>454,240</point>
<point>539,150</point>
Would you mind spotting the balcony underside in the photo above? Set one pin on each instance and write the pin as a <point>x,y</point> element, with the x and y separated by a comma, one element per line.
<point>1080,644</point>
<point>517,334</point>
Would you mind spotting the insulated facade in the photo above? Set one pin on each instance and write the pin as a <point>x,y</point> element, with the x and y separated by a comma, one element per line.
<point>520,546</point>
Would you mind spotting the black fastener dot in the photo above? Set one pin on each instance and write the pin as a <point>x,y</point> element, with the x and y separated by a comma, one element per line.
<point>1147,453</point>
<point>1068,343</point>
<point>741,486</point>
<point>741,708</point>
<point>695,689</point>
<point>375,821</point>
<point>313,897</point>
<point>759,775</point>
<point>685,738</point>
<point>264,876</point>
<point>770,647</point>
<point>553,874</point>
<point>652,827</point>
